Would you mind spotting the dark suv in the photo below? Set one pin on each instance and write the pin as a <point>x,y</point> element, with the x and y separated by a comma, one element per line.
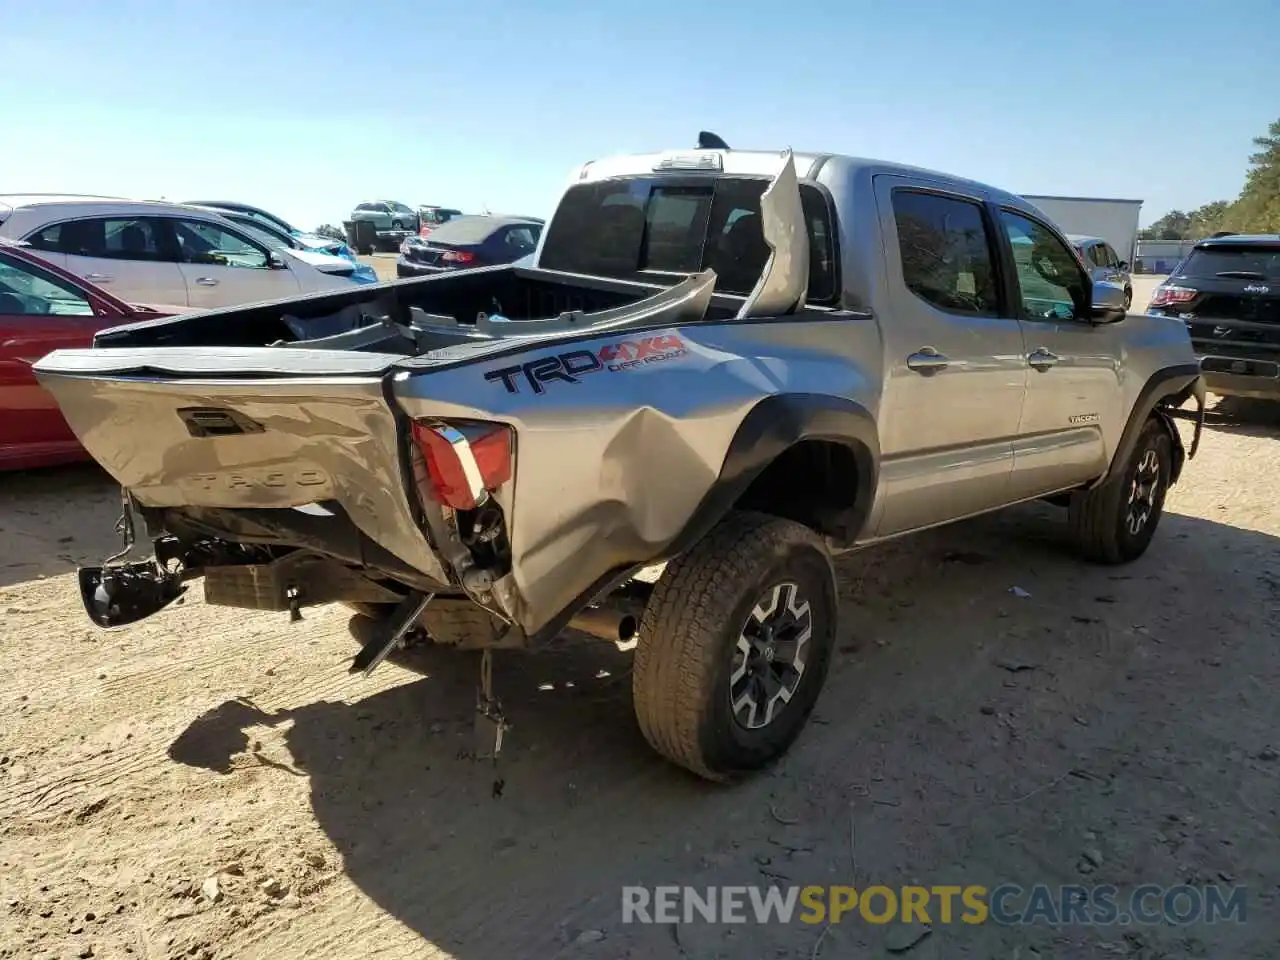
<point>1227,291</point>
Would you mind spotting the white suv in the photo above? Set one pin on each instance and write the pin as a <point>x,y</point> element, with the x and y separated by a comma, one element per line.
<point>160,254</point>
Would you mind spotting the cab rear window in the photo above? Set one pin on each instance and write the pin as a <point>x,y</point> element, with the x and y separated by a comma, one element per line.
<point>633,228</point>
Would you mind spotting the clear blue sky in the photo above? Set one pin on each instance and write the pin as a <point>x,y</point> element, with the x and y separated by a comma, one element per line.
<point>307,108</point>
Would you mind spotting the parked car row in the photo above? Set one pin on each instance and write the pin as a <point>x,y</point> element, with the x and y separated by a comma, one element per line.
<point>72,265</point>
<point>44,307</point>
<point>384,224</point>
<point>175,256</point>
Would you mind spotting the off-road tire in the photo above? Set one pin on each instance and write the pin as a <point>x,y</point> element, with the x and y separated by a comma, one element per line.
<point>691,628</point>
<point>1099,517</point>
<point>446,620</point>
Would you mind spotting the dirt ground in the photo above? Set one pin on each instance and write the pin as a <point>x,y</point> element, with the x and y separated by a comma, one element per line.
<point>214,784</point>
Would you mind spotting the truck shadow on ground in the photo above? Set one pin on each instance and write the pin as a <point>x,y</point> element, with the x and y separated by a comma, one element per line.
<point>587,808</point>
<point>53,519</point>
<point>1247,417</point>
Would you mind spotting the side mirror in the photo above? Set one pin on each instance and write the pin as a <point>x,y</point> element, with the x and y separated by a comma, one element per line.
<point>276,262</point>
<point>1108,303</point>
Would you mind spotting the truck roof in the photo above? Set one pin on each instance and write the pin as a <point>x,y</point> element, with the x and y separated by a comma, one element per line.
<point>764,163</point>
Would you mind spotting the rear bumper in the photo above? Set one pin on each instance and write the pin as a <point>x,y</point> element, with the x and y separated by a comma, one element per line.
<point>410,268</point>
<point>1257,379</point>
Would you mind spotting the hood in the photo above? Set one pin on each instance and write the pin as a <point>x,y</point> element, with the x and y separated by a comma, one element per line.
<point>324,262</point>
<point>313,241</point>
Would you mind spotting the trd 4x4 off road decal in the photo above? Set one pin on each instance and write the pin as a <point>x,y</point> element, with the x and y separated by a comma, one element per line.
<point>572,365</point>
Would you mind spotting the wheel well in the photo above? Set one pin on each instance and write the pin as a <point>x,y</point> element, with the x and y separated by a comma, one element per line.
<point>814,482</point>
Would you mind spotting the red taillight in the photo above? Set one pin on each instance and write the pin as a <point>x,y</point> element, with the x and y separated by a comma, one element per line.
<point>1166,295</point>
<point>457,256</point>
<point>464,463</point>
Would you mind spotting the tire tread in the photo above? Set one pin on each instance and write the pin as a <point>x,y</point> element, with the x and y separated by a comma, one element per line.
<point>675,657</point>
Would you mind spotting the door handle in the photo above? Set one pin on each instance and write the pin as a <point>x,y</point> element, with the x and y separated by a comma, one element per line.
<point>926,361</point>
<point>98,277</point>
<point>1042,359</point>
<point>206,281</point>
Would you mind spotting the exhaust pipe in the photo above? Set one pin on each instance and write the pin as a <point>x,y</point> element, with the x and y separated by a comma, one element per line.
<point>607,623</point>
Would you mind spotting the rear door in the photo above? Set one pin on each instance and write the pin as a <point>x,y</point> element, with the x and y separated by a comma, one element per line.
<point>1073,366</point>
<point>124,255</point>
<point>223,267</point>
<point>955,361</point>
<point>39,313</point>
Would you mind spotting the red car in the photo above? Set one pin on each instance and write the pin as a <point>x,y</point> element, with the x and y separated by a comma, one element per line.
<point>43,308</point>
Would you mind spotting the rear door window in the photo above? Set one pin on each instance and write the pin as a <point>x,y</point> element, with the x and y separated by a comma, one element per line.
<point>946,252</point>
<point>112,238</point>
<point>633,227</point>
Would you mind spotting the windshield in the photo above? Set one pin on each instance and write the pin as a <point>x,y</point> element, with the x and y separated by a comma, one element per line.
<point>1260,262</point>
<point>267,238</point>
<point>632,226</point>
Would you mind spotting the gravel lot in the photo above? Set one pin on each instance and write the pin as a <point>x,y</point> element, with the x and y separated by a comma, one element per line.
<point>214,784</point>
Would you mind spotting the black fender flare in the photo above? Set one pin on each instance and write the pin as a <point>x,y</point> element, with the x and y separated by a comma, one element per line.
<point>774,425</point>
<point>1176,383</point>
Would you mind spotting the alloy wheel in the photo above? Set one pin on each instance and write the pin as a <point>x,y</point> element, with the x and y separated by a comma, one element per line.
<point>1142,492</point>
<point>769,658</point>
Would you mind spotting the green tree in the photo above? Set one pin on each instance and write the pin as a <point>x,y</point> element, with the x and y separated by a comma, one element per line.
<point>329,230</point>
<point>1207,220</point>
<point>1258,208</point>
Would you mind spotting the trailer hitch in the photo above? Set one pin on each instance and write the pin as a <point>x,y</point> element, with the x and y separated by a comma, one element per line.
<point>119,593</point>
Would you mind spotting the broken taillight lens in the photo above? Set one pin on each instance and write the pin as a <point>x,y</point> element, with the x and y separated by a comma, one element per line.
<point>457,256</point>
<point>464,462</point>
<point>1166,294</point>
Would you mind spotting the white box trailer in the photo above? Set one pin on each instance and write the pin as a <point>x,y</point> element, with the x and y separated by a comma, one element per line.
<point>1115,221</point>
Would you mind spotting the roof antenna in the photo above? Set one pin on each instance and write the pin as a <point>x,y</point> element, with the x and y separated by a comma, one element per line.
<point>709,141</point>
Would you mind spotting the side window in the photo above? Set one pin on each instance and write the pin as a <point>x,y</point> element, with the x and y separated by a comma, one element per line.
<point>50,238</point>
<point>28,291</point>
<point>946,252</point>
<point>822,247</point>
<point>113,238</point>
<point>1112,259</point>
<point>207,243</point>
<point>1051,284</point>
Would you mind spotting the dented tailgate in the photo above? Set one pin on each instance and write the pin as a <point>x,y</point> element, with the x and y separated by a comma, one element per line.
<point>244,427</point>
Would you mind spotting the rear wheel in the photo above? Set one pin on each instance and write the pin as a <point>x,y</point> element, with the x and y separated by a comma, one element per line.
<point>1114,523</point>
<point>397,225</point>
<point>734,646</point>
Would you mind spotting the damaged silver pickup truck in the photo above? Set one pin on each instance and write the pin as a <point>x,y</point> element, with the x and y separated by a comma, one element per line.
<point>738,363</point>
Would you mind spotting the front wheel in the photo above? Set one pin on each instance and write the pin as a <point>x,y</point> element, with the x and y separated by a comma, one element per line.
<point>1128,298</point>
<point>734,646</point>
<point>1114,523</point>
